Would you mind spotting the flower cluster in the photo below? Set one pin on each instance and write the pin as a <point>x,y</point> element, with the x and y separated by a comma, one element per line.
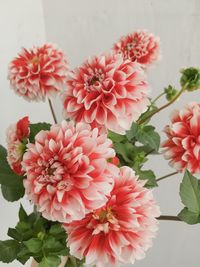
<point>71,172</point>
<point>38,73</point>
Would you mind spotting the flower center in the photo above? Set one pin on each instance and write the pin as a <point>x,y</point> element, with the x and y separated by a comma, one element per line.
<point>93,80</point>
<point>51,171</point>
<point>105,215</point>
<point>35,60</point>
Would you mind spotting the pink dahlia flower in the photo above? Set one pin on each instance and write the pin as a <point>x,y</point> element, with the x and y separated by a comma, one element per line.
<point>106,92</point>
<point>122,230</point>
<point>17,135</point>
<point>38,73</point>
<point>68,173</point>
<point>140,46</point>
<point>182,147</point>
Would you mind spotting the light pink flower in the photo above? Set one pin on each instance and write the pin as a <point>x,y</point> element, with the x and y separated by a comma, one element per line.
<point>182,147</point>
<point>122,230</point>
<point>68,173</point>
<point>38,73</point>
<point>17,135</point>
<point>106,92</point>
<point>140,46</point>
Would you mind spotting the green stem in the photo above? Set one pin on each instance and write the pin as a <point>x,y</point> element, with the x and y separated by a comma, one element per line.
<point>159,96</point>
<point>166,176</point>
<point>164,106</point>
<point>169,218</point>
<point>52,111</point>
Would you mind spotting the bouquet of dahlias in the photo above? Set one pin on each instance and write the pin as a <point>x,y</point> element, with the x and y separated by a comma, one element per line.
<point>92,198</point>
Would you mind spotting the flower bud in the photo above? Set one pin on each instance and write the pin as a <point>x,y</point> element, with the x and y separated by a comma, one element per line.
<point>170,92</point>
<point>190,79</point>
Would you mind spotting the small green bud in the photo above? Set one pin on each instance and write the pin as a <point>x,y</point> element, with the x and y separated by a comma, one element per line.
<point>190,79</point>
<point>170,92</point>
<point>41,235</point>
<point>139,157</point>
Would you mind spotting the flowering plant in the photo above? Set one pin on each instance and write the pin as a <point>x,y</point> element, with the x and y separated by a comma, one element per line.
<point>93,199</point>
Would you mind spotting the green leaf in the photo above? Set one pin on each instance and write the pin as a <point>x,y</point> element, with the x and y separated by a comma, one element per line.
<point>51,245</point>
<point>71,262</point>
<point>24,254</point>
<point>189,216</point>
<point>12,193</point>
<point>8,250</point>
<point>50,261</point>
<point>12,232</point>
<point>149,176</point>
<point>56,229</point>
<point>190,192</point>
<point>133,131</point>
<point>22,214</point>
<point>25,230</point>
<point>12,185</point>
<point>7,176</point>
<point>125,150</point>
<point>36,128</point>
<point>116,137</point>
<point>34,245</point>
<point>148,136</point>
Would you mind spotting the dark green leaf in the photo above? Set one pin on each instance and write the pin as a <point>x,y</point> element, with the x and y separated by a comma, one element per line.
<point>36,128</point>
<point>190,192</point>
<point>7,176</point>
<point>189,216</point>
<point>22,214</point>
<point>50,261</point>
<point>24,254</point>
<point>34,245</point>
<point>56,229</point>
<point>12,193</point>
<point>8,250</point>
<point>71,262</point>
<point>12,232</point>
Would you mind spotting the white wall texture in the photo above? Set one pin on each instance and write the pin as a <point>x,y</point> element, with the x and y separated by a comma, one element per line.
<point>21,24</point>
<point>84,28</point>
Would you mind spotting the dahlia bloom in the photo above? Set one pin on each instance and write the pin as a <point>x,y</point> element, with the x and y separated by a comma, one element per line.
<point>140,46</point>
<point>38,73</point>
<point>182,147</point>
<point>106,92</point>
<point>17,135</point>
<point>68,173</point>
<point>122,230</point>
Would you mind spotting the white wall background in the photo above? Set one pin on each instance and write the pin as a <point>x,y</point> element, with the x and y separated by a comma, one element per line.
<point>84,28</point>
<point>21,24</point>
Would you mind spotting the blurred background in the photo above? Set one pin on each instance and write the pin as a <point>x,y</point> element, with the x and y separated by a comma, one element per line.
<point>89,27</point>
